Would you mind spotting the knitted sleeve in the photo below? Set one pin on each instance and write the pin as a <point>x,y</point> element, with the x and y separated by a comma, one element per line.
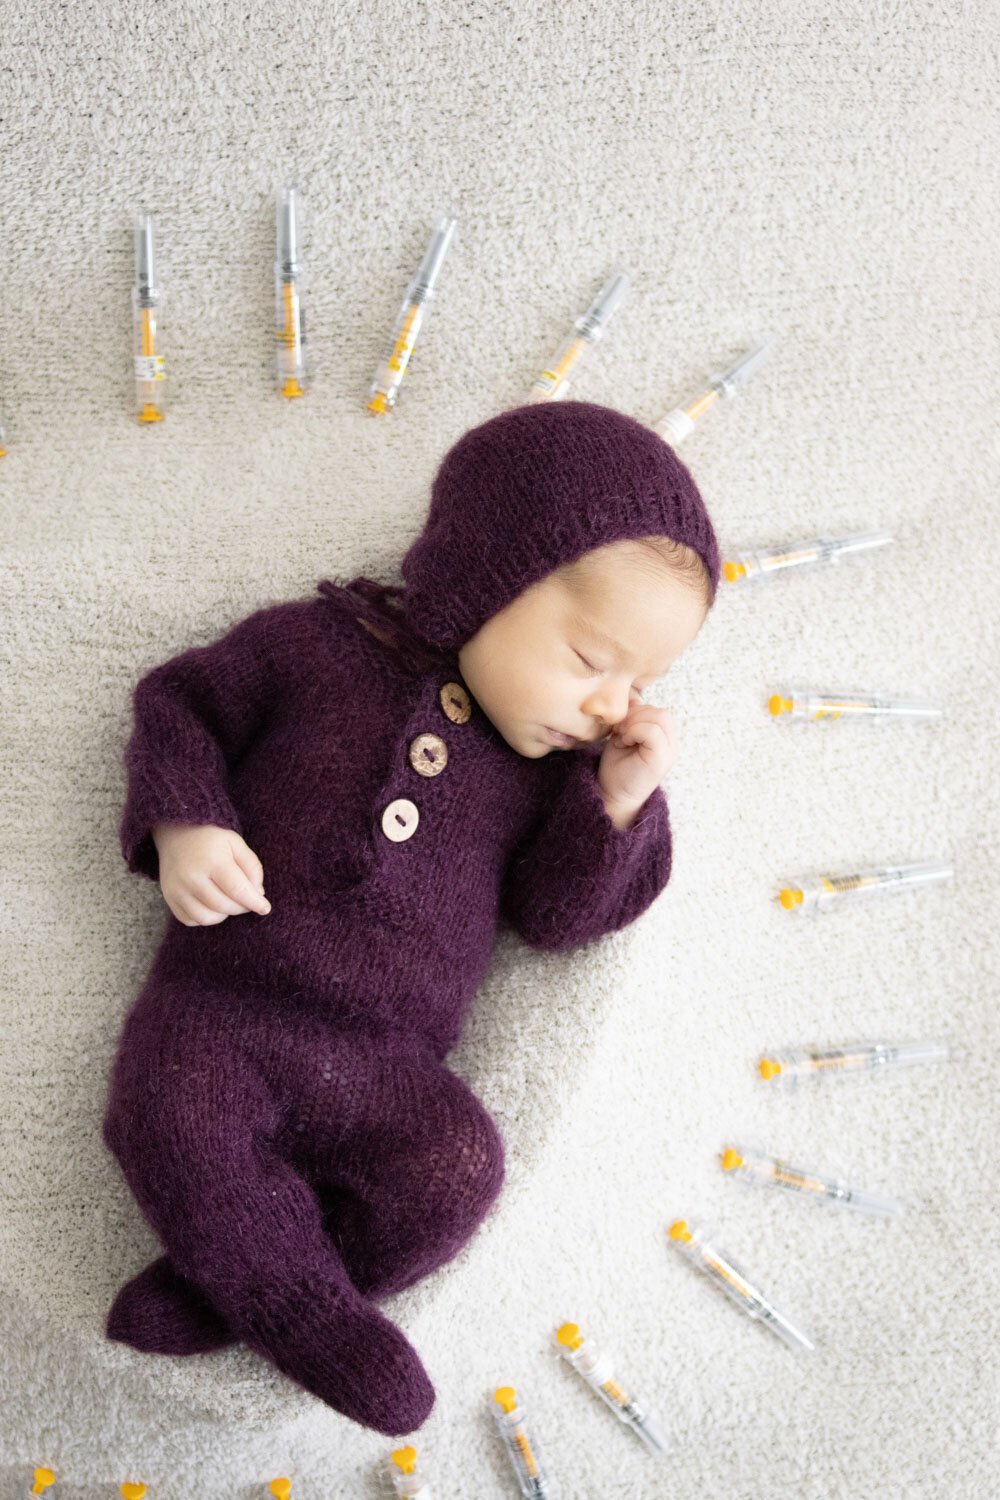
<point>195,716</point>
<point>575,876</point>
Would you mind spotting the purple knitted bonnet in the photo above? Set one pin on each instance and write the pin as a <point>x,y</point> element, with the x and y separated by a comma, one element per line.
<point>534,488</point>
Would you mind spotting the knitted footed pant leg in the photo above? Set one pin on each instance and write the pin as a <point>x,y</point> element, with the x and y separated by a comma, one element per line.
<point>407,1187</point>
<point>196,1145</point>
<point>409,1179</point>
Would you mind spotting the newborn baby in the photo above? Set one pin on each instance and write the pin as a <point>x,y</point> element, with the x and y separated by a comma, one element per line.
<point>402,771</point>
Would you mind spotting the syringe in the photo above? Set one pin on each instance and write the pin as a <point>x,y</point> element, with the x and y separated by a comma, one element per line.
<point>813,705</point>
<point>43,1478</point>
<point>290,368</point>
<point>405,1478</point>
<point>595,1367</point>
<point>695,1242</point>
<point>817,552</point>
<point>679,423</point>
<point>147,361</point>
<point>280,1488</point>
<point>796,1065</point>
<point>521,1446</point>
<point>420,293</point>
<point>772,1171</point>
<point>821,892</point>
<point>553,383</point>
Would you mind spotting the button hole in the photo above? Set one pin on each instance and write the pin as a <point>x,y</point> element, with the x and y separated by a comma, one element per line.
<point>400,820</point>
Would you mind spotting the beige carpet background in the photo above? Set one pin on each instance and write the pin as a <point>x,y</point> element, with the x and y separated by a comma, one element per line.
<point>826,177</point>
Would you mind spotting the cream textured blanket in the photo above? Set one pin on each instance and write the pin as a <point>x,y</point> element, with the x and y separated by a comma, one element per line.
<point>825,177</point>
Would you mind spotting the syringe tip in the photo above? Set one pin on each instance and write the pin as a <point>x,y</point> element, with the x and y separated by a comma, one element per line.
<point>732,571</point>
<point>779,705</point>
<point>506,1396</point>
<point>43,1478</point>
<point>569,1334</point>
<point>405,1459</point>
<point>769,1069</point>
<point>731,1159</point>
<point>280,1487</point>
<point>791,898</point>
<point>679,1230</point>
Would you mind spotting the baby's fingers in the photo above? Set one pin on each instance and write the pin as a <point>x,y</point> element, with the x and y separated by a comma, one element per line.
<point>196,914</point>
<point>235,892</point>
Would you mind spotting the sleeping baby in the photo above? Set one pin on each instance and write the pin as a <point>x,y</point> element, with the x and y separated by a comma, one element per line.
<point>344,799</point>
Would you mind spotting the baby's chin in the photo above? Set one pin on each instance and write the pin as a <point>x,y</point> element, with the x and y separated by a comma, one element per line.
<point>531,744</point>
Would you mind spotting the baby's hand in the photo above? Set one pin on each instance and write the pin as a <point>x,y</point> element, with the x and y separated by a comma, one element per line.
<point>640,750</point>
<point>208,873</point>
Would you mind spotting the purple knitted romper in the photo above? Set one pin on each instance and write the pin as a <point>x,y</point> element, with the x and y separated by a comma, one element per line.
<point>279,1103</point>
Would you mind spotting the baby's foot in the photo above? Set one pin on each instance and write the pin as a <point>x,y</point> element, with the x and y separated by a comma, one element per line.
<point>161,1313</point>
<point>341,1348</point>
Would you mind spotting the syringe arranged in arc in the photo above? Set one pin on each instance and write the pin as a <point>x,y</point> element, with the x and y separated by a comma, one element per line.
<point>805,705</point>
<point>522,1448</point>
<point>762,562</point>
<point>385,387</point>
<point>291,370</point>
<point>553,383</point>
<point>595,1367</point>
<point>815,893</point>
<point>147,299</point>
<point>773,1171</point>
<point>697,1244</point>
<point>792,1066</point>
<point>679,423</point>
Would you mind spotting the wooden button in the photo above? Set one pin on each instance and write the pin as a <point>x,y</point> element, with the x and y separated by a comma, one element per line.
<point>428,754</point>
<point>456,702</point>
<point>400,819</point>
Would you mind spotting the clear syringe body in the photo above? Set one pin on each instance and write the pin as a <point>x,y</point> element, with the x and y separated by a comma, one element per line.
<point>816,552</point>
<point>797,1065</point>
<point>291,370</point>
<point>823,892</point>
<point>679,423</point>
<point>385,388</point>
<point>814,705</point>
<point>697,1244</point>
<point>553,383</point>
<point>522,1449</point>
<point>147,301</point>
<point>595,1367</point>
<point>773,1171</point>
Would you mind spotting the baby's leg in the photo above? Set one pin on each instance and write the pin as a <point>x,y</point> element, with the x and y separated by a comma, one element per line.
<point>160,1312</point>
<point>406,1162</point>
<point>407,1175</point>
<point>193,1125</point>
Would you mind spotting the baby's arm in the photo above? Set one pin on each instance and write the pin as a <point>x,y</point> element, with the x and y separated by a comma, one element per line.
<point>579,875</point>
<point>195,716</point>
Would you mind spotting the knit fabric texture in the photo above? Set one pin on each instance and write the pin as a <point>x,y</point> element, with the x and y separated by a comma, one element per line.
<point>279,1104</point>
<point>535,488</point>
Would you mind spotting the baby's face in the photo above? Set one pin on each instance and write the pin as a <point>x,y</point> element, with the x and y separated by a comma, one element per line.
<point>569,653</point>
